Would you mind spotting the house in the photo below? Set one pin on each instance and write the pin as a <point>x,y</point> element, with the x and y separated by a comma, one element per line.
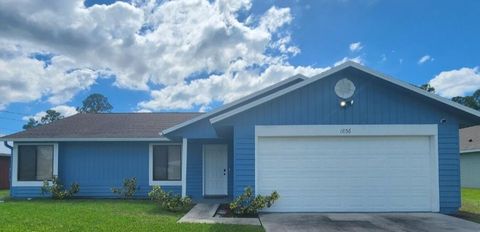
<point>4,171</point>
<point>470,157</point>
<point>347,140</point>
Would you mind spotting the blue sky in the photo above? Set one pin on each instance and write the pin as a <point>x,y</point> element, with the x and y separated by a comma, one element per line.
<point>142,59</point>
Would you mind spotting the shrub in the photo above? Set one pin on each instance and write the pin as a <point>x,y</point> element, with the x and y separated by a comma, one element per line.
<point>57,189</point>
<point>168,200</point>
<point>129,188</point>
<point>248,204</point>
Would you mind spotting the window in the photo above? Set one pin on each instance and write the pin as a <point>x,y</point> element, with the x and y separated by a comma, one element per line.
<point>167,162</point>
<point>35,162</point>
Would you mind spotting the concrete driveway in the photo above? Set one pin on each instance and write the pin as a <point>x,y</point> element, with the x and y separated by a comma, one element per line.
<point>371,222</point>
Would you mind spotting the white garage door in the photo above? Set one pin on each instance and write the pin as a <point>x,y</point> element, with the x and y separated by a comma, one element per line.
<point>347,174</point>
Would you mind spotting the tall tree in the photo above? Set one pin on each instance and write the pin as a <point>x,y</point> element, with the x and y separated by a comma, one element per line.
<point>49,117</point>
<point>427,87</point>
<point>95,103</point>
<point>472,101</point>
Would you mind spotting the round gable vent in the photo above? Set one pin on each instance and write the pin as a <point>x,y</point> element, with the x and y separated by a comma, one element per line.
<point>344,88</point>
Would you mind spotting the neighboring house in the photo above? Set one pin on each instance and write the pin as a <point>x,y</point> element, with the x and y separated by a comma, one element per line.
<point>347,140</point>
<point>4,171</point>
<point>470,156</point>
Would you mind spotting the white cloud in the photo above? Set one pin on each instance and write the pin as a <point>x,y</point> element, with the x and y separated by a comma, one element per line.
<point>355,47</point>
<point>458,82</point>
<point>143,44</point>
<point>224,88</point>
<point>357,59</point>
<point>65,110</point>
<point>424,59</point>
<point>25,79</point>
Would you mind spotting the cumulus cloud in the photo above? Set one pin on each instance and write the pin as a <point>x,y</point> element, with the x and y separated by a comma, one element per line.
<point>64,110</point>
<point>424,59</point>
<point>355,47</point>
<point>457,82</point>
<point>357,59</point>
<point>144,44</point>
<point>25,79</point>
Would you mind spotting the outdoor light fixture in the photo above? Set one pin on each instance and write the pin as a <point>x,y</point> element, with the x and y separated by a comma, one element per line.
<point>345,103</point>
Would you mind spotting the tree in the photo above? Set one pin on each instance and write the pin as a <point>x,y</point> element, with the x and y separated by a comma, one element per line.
<point>427,87</point>
<point>95,103</point>
<point>49,117</point>
<point>32,123</point>
<point>472,101</point>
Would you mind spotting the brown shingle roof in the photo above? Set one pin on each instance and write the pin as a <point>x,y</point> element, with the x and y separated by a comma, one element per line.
<point>470,138</point>
<point>107,125</point>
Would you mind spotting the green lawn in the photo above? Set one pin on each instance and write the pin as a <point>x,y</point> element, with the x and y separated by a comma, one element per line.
<point>470,204</point>
<point>4,194</point>
<point>97,215</point>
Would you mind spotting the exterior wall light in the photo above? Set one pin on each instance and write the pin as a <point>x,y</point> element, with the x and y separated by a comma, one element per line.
<point>345,103</point>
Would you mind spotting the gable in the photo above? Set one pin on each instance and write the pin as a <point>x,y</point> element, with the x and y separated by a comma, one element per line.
<point>375,101</point>
<point>408,96</point>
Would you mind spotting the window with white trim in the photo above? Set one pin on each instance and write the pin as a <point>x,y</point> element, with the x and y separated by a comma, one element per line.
<point>167,162</point>
<point>35,162</point>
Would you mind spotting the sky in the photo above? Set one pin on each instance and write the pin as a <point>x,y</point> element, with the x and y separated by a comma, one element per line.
<point>195,55</point>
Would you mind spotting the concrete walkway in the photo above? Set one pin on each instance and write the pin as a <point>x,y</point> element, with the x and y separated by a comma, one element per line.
<point>205,213</point>
<point>365,222</point>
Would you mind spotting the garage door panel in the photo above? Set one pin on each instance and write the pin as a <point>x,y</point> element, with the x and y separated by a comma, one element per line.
<point>338,174</point>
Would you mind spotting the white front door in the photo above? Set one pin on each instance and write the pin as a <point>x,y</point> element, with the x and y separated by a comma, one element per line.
<point>215,169</point>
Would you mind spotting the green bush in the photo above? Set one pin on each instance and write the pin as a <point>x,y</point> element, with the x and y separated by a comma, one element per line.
<point>248,204</point>
<point>129,188</point>
<point>57,189</point>
<point>168,200</point>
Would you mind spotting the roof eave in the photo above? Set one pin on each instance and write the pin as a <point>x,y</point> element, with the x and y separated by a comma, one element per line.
<point>232,104</point>
<point>82,139</point>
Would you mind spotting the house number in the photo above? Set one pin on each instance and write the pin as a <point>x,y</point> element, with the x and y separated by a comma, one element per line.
<point>346,131</point>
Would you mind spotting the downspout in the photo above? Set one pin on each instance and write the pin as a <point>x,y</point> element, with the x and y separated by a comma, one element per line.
<point>11,163</point>
<point>8,145</point>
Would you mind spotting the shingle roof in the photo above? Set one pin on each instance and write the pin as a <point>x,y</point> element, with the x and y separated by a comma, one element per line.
<point>106,125</point>
<point>470,138</point>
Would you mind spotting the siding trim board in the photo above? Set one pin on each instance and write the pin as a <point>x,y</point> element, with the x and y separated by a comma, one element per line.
<point>470,151</point>
<point>159,139</point>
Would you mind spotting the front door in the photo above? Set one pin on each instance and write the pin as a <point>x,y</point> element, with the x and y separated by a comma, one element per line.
<point>215,170</point>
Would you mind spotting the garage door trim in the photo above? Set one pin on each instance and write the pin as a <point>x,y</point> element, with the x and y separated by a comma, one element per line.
<point>430,130</point>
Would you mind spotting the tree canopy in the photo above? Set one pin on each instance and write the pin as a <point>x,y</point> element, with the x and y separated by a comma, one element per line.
<point>427,87</point>
<point>95,103</point>
<point>50,116</point>
<point>472,101</point>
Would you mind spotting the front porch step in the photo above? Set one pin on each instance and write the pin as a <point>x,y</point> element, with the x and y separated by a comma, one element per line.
<point>205,212</point>
<point>201,211</point>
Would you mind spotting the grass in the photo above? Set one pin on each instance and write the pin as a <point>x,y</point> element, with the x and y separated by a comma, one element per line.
<point>98,215</point>
<point>470,204</point>
<point>4,194</point>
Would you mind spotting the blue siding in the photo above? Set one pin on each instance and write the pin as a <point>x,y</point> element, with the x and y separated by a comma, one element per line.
<point>375,102</point>
<point>99,166</point>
